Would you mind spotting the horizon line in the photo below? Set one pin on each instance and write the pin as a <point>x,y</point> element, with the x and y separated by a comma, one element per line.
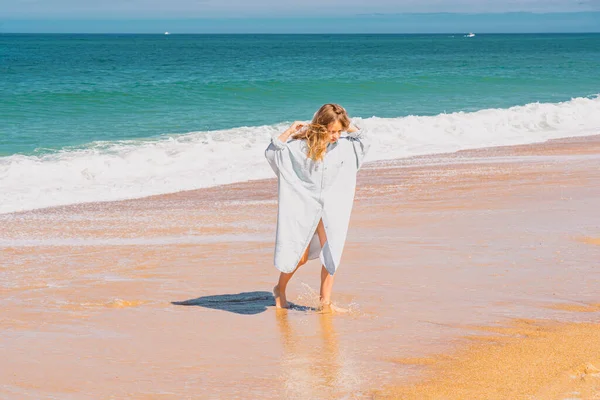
<point>300,33</point>
<point>443,23</point>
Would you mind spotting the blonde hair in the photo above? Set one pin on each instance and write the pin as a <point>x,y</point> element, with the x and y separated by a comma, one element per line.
<point>316,135</point>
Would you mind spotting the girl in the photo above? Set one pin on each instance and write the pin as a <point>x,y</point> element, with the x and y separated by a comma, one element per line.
<point>316,170</point>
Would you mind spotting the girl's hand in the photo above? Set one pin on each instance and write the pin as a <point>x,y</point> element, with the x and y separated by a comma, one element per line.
<point>296,126</point>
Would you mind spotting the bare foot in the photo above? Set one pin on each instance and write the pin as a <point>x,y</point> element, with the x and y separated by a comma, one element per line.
<point>280,300</point>
<point>327,308</point>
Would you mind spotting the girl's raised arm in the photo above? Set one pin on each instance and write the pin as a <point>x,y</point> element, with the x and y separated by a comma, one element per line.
<point>274,151</point>
<point>360,141</point>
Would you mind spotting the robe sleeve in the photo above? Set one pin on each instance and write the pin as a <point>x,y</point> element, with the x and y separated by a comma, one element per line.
<point>361,143</point>
<point>274,153</point>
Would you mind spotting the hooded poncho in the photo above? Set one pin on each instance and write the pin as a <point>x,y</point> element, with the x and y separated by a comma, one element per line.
<point>313,190</point>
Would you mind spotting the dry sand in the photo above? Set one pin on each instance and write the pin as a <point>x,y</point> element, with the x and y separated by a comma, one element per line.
<point>526,360</point>
<point>168,297</point>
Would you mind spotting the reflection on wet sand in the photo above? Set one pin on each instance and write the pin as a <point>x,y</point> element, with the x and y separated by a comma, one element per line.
<point>314,365</point>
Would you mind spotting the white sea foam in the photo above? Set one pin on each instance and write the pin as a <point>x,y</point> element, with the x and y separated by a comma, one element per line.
<point>129,169</point>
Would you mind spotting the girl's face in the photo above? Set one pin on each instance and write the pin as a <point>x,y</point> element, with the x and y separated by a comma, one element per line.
<point>335,130</point>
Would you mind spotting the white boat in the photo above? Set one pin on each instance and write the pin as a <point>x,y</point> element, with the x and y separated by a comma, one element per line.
<point>471,34</point>
<point>166,33</point>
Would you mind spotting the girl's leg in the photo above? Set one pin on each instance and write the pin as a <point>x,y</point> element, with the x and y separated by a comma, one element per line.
<point>279,290</point>
<point>326,287</point>
<point>326,279</point>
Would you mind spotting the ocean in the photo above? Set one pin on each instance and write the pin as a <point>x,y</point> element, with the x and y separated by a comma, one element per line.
<point>107,117</point>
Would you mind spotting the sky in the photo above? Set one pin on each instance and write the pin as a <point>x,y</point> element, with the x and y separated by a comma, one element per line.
<point>265,8</point>
<point>298,16</point>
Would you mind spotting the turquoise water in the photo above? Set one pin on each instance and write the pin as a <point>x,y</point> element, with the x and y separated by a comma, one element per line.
<point>71,90</point>
<point>87,118</point>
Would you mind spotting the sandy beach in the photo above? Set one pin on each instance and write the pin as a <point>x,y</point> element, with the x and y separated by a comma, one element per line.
<point>465,274</point>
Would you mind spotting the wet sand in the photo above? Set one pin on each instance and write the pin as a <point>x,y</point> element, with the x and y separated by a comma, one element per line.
<point>168,297</point>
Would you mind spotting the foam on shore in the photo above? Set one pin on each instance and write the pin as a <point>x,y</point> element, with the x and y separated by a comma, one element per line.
<point>106,171</point>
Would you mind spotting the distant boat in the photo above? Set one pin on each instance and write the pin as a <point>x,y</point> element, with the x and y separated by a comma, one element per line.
<point>167,33</point>
<point>471,34</point>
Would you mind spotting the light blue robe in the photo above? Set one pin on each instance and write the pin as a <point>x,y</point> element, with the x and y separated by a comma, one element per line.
<point>309,191</point>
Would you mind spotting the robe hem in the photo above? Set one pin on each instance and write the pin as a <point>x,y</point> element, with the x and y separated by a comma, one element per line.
<point>313,229</point>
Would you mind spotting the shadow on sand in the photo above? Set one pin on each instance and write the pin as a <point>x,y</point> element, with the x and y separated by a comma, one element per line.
<point>247,303</point>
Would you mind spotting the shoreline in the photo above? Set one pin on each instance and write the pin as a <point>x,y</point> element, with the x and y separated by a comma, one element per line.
<point>550,147</point>
<point>169,295</point>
